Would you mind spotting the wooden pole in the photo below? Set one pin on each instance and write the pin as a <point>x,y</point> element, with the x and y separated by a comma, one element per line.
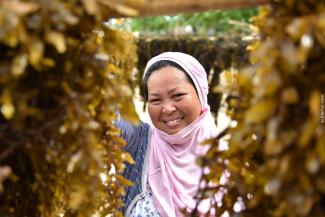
<point>171,7</point>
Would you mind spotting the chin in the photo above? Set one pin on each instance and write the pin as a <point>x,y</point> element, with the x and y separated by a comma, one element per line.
<point>172,131</point>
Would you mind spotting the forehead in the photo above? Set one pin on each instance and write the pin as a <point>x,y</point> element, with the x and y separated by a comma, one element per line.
<point>167,74</point>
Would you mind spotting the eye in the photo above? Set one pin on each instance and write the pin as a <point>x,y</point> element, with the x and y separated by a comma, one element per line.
<point>178,95</point>
<point>154,100</point>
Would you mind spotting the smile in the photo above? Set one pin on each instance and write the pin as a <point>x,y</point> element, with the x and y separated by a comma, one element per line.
<point>174,122</point>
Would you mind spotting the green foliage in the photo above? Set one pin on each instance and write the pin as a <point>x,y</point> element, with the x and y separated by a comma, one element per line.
<point>211,23</point>
<point>275,162</point>
<point>63,75</point>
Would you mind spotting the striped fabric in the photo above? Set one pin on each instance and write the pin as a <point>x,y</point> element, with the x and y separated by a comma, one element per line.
<point>136,138</point>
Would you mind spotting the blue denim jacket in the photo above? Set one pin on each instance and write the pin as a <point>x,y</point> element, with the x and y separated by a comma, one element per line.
<point>136,138</point>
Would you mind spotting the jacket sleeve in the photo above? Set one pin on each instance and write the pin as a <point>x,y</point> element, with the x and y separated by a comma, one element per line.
<point>129,133</point>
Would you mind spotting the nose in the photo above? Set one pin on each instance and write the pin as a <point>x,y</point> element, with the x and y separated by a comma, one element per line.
<point>168,108</point>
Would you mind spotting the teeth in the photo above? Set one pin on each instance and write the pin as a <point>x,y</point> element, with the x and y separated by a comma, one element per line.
<point>173,122</point>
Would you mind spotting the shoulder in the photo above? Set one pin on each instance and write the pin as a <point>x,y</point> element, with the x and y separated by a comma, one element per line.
<point>127,127</point>
<point>135,135</point>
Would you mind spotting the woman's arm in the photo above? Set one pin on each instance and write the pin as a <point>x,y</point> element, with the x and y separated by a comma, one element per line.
<point>127,133</point>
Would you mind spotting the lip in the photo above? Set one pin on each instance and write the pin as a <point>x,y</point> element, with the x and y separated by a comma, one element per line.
<point>173,122</point>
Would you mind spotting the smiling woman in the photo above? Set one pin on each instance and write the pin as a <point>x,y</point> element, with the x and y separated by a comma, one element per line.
<point>172,100</point>
<point>165,172</point>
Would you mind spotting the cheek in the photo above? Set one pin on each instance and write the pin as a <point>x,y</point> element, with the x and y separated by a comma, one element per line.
<point>192,103</point>
<point>195,109</point>
<point>153,112</point>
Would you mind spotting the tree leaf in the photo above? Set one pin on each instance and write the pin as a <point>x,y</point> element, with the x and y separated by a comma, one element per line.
<point>21,8</point>
<point>127,158</point>
<point>7,107</point>
<point>90,6</point>
<point>260,112</point>
<point>36,51</point>
<point>19,65</point>
<point>57,39</point>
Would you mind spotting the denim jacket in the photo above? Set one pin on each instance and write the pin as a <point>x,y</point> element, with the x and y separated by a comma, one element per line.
<point>136,138</point>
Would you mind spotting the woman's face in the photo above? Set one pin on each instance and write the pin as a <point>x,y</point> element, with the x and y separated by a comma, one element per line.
<point>172,100</point>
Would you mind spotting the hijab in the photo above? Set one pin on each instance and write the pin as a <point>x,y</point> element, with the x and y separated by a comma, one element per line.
<point>173,173</point>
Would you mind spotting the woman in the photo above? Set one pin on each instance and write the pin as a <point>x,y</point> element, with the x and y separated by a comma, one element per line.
<point>165,174</point>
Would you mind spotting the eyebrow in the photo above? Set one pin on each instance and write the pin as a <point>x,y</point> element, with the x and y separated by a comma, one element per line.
<point>156,94</point>
<point>153,94</point>
<point>172,90</point>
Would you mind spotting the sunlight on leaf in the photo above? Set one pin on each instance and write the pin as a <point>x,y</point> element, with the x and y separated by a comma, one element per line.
<point>260,112</point>
<point>57,39</point>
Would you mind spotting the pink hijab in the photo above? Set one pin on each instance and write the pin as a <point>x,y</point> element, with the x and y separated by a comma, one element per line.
<point>173,174</point>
